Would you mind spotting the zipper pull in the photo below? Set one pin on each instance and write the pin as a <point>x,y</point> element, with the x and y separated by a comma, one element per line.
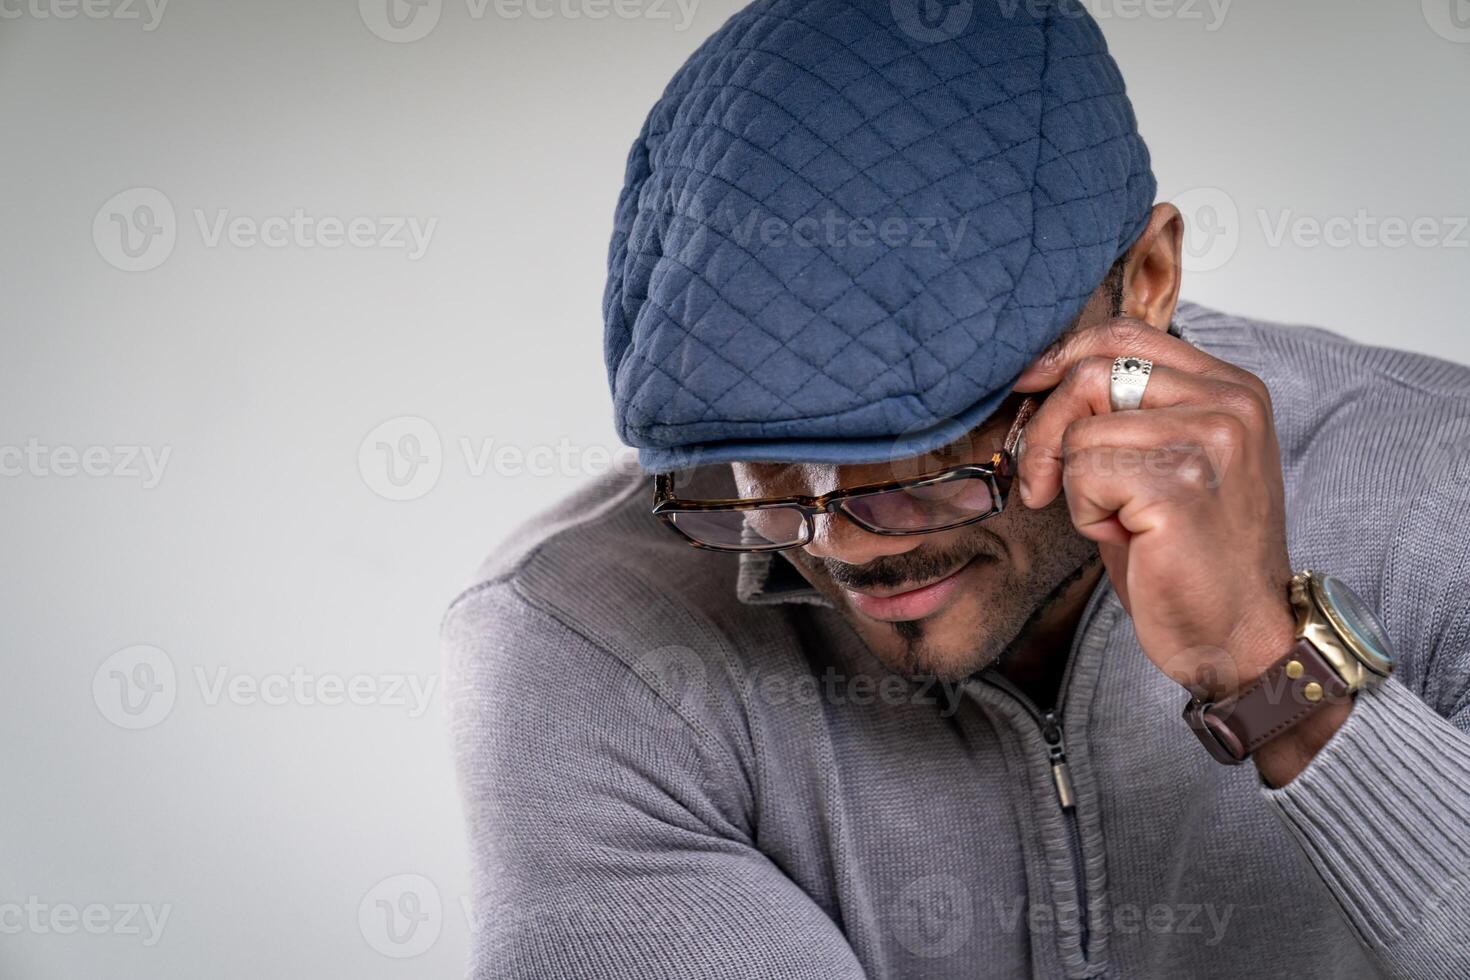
<point>1051,730</point>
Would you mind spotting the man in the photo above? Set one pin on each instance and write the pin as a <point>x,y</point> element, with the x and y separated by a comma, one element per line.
<point>966,508</point>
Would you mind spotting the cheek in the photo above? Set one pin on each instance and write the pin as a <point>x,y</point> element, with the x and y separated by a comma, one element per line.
<point>1028,533</point>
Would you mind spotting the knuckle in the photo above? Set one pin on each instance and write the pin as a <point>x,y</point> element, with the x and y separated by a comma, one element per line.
<point>1246,403</point>
<point>1263,394</point>
<point>1254,384</point>
<point>1191,473</point>
<point>1222,429</point>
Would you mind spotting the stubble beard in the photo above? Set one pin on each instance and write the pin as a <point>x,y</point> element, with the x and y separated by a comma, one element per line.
<point>1009,612</point>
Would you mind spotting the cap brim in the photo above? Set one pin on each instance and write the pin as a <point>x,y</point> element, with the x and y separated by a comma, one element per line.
<point>884,449</point>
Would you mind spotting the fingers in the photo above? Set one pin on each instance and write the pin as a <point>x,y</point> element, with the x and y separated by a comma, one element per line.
<point>1083,394</point>
<point>1122,473</point>
<point>1126,337</point>
<point>1158,490</point>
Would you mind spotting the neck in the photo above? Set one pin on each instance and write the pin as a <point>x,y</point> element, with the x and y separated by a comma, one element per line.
<point>1035,662</point>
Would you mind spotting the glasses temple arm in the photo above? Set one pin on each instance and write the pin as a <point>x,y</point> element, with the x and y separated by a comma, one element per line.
<point>1023,415</point>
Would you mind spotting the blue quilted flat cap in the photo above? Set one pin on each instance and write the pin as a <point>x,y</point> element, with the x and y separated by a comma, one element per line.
<point>848,226</point>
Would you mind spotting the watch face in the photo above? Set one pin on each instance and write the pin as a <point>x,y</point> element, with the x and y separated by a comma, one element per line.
<point>1359,627</point>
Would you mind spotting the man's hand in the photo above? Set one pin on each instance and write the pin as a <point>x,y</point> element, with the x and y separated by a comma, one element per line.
<point>1183,496</point>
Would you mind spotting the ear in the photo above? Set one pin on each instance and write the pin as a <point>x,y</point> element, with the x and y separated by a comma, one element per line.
<point>1152,270</point>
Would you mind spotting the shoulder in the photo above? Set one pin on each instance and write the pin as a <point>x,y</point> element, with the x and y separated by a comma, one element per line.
<point>1374,428</point>
<point>1299,362</point>
<point>1378,428</point>
<point>603,566</point>
<point>594,601</point>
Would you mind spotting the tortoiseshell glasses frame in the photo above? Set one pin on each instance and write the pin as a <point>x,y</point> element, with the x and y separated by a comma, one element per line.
<point>996,475</point>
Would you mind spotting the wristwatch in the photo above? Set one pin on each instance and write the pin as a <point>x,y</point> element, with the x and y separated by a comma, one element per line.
<point>1340,649</point>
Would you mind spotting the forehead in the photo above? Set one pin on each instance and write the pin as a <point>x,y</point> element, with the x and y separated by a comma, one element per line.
<point>975,446</point>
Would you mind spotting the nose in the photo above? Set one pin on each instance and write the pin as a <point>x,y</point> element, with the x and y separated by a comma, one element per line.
<point>835,536</point>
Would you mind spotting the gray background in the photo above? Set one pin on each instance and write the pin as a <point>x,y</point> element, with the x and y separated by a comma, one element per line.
<point>274,377</point>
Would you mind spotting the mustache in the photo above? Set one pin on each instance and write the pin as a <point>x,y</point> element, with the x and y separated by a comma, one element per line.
<point>895,571</point>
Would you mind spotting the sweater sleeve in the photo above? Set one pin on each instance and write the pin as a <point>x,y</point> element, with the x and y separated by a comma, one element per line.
<point>1383,810</point>
<point>607,822</point>
<point>1383,814</point>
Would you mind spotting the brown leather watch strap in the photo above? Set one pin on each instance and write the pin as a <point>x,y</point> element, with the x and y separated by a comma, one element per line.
<point>1291,690</point>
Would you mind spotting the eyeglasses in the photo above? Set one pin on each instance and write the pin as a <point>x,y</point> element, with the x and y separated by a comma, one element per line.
<point>924,504</point>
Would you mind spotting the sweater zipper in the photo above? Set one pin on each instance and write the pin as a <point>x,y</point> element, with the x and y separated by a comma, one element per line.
<point>1051,731</point>
<point>1061,777</point>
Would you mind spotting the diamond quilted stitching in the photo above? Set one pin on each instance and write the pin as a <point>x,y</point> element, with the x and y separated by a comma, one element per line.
<point>816,109</point>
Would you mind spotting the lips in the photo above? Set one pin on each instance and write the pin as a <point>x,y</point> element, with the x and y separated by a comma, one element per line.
<point>911,604</point>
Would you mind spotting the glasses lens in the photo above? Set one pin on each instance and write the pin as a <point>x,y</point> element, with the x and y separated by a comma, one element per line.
<point>745,530</point>
<point>766,527</point>
<point>927,506</point>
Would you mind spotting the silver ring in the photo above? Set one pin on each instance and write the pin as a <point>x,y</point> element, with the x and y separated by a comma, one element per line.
<point>1130,378</point>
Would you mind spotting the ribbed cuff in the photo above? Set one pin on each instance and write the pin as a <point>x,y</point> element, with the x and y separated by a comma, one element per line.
<point>1383,812</point>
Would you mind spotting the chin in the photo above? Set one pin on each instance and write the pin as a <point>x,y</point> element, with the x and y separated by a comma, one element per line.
<point>947,646</point>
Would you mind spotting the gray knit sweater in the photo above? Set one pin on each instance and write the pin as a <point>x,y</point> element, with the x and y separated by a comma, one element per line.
<point>683,764</point>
